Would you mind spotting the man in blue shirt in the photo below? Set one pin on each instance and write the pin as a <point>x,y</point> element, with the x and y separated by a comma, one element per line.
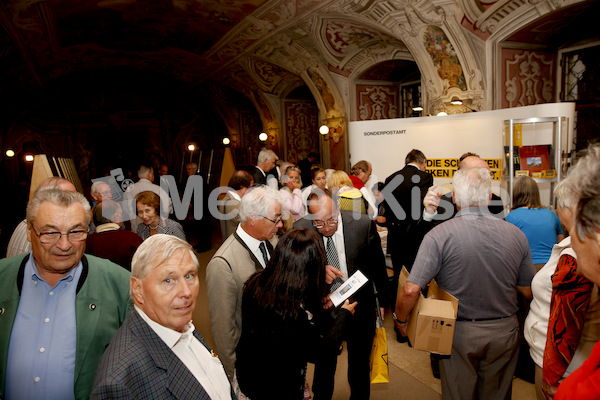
<point>58,307</point>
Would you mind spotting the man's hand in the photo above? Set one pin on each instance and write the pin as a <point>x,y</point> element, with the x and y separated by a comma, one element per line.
<point>331,273</point>
<point>432,200</point>
<point>327,303</point>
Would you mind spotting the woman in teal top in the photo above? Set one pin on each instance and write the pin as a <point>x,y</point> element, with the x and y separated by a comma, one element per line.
<point>540,225</point>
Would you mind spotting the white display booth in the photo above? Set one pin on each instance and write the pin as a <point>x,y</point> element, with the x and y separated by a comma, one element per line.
<point>385,143</point>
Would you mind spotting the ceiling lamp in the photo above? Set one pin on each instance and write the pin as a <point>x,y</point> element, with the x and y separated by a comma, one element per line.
<point>10,153</point>
<point>263,137</point>
<point>29,158</point>
<point>191,147</point>
<point>226,141</point>
<point>324,129</point>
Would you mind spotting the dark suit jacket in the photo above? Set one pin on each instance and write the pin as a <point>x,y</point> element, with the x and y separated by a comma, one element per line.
<point>400,243</point>
<point>447,210</point>
<point>138,365</point>
<point>305,166</point>
<point>363,252</point>
<point>259,178</point>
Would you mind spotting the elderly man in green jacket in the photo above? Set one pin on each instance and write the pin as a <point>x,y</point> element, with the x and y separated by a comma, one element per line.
<point>58,307</point>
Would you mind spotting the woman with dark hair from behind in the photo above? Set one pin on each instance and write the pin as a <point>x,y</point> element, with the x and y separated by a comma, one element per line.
<point>282,320</point>
<point>539,224</point>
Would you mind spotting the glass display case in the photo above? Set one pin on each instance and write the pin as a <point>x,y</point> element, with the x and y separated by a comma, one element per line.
<point>539,148</point>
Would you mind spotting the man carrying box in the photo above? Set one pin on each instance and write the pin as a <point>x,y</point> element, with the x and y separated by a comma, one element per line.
<point>482,261</point>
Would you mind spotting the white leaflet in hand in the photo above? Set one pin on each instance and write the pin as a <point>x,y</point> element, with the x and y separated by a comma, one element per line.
<point>348,288</point>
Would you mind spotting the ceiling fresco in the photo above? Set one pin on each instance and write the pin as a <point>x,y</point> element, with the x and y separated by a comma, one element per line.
<point>250,45</point>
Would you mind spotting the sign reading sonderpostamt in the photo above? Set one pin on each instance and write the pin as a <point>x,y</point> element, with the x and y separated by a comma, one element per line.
<point>385,143</point>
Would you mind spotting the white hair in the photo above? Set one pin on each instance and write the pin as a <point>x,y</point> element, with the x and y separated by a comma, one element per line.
<point>472,187</point>
<point>58,197</point>
<point>265,154</point>
<point>144,170</point>
<point>258,201</point>
<point>95,185</point>
<point>156,250</point>
<point>585,176</point>
<point>566,194</point>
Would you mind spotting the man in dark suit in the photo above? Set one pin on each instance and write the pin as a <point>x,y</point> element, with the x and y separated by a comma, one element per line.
<point>403,209</point>
<point>305,166</point>
<point>352,245</point>
<point>157,353</point>
<point>265,163</point>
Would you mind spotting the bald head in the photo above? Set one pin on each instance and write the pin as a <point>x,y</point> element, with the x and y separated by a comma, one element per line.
<point>55,182</point>
<point>473,162</point>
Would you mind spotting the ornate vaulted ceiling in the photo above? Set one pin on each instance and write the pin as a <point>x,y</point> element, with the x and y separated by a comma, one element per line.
<point>227,53</point>
<point>189,40</point>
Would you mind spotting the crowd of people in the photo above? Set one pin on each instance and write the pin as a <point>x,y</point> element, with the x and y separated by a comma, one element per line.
<point>97,295</point>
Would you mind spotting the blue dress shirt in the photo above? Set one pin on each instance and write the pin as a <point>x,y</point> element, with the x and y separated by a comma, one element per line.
<point>41,354</point>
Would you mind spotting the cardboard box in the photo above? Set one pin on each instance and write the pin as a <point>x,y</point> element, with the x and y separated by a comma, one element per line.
<point>432,320</point>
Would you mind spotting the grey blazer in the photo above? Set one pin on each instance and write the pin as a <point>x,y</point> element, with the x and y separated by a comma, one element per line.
<point>139,365</point>
<point>226,273</point>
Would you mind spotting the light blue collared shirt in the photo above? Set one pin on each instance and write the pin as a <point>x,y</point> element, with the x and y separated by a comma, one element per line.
<point>41,353</point>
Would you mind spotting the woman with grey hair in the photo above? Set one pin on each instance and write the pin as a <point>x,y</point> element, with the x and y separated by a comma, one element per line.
<point>562,325</point>
<point>583,384</point>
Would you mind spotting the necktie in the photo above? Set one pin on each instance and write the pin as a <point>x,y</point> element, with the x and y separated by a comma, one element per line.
<point>263,250</point>
<point>334,261</point>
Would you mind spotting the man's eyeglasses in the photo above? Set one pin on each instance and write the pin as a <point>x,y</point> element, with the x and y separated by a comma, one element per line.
<point>52,237</point>
<point>278,220</point>
<point>330,222</point>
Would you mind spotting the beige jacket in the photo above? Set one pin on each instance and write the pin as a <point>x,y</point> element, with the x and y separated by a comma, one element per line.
<point>226,273</point>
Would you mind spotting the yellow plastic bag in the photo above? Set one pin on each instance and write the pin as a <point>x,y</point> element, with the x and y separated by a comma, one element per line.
<point>379,357</point>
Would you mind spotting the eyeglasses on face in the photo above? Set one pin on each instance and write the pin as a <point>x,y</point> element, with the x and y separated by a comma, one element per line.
<point>276,221</point>
<point>51,237</point>
<point>330,222</point>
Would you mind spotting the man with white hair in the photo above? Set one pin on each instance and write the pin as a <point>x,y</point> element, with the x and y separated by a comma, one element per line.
<point>158,353</point>
<point>246,251</point>
<point>265,163</point>
<point>100,191</point>
<point>146,177</point>
<point>484,262</point>
<point>59,308</point>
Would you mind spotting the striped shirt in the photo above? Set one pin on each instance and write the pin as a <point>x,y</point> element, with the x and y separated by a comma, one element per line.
<point>166,226</point>
<point>18,243</point>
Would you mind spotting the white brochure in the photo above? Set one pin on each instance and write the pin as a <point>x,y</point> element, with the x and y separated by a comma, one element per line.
<point>348,288</point>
